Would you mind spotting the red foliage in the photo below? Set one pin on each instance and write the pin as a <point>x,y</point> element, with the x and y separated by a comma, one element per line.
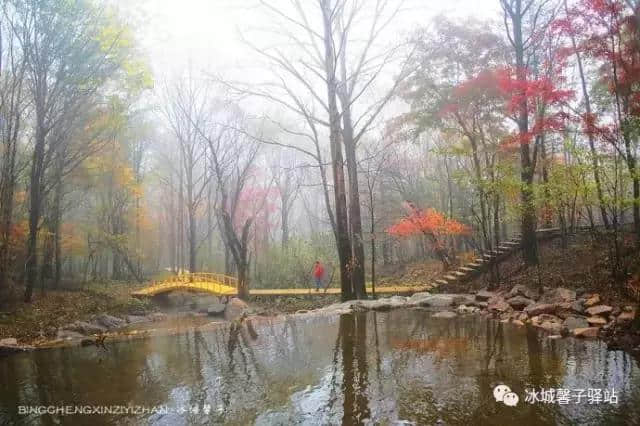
<point>430,222</point>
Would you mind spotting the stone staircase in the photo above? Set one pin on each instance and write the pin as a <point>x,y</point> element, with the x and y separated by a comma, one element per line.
<point>482,263</point>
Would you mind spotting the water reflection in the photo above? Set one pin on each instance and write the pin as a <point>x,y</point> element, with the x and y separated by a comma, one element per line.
<point>353,369</point>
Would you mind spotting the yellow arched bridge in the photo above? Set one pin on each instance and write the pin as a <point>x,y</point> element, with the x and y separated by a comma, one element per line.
<point>224,285</point>
<point>218,284</point>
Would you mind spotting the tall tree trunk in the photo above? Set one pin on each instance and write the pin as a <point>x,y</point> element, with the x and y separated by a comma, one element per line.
<point>528,223</point>
<point>591,139</point>
<point>35,203</point>
<point>342,226</point>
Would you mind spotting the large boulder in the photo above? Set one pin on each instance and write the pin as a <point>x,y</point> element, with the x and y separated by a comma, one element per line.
<point>572,323</point>
<point>522,290</point>
<point>108,321</point>
<point>599,310</point>
<point>519,302</point>
<point>437,301</point>
<point>540,308</point>
<point>235,309</point>
<point>216,309</point>
<point>417,297</point>
<point>445,314</point>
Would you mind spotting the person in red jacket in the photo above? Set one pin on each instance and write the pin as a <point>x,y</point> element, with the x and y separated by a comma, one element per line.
<point>318,274</point>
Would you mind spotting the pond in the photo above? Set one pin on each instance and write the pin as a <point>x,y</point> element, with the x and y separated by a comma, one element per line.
<point>387,368</point>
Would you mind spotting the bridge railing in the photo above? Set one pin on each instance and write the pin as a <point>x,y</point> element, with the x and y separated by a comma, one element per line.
<point>201,277</point>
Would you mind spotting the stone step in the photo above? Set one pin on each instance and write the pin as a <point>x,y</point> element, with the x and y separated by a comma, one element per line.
<point>511,243</point>
<point>442,282</point>
<point>467,268</point>
<point>450,278</point>
<point>475,264</point>
<point>488,256</point>
<point>505,248</point>
<point>459,274</point>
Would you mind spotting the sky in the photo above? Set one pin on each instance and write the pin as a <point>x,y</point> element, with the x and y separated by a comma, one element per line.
<point>205,34</point>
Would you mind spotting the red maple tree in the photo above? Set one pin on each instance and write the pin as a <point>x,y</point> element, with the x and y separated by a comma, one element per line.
<point>432,224</point>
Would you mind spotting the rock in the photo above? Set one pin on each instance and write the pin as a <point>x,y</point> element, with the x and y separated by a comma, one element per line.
<point>462,299</point>
<point>445,314</point>
<point>596,321</point>
<point>599,310</point>
<point>522,290</point>
<point>540,308</point>
<point>9,341</point>
<point>479,305</point>
<point>572,323</point>
<point>134,319</point>
<point>577,306</point>
<point>580,291</point>
<point>235,309</point>
<point>517,322</point>
<point>437,301</point>
<point>216,309</point>
<point>592,301</point>
<point>586,332</point>
<point>554,337</point>
<point>109,321</point>
<point>9,345</point>
<point>83,327</point>
<point>558,295</point>
<point>484,295</point>
<point>616,311</point>
<point>551,327</point>
<point>69,335</point>
<point>519,302</point>
<point>302,311</point>
<point>464,309</point>
<point>498,304</point>
<point>157,316</point>
<point>416,297</point>
<point>626,316</point>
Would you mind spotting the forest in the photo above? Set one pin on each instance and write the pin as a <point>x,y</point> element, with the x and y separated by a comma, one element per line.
<point>320,212</point>
<point>346,141</point>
